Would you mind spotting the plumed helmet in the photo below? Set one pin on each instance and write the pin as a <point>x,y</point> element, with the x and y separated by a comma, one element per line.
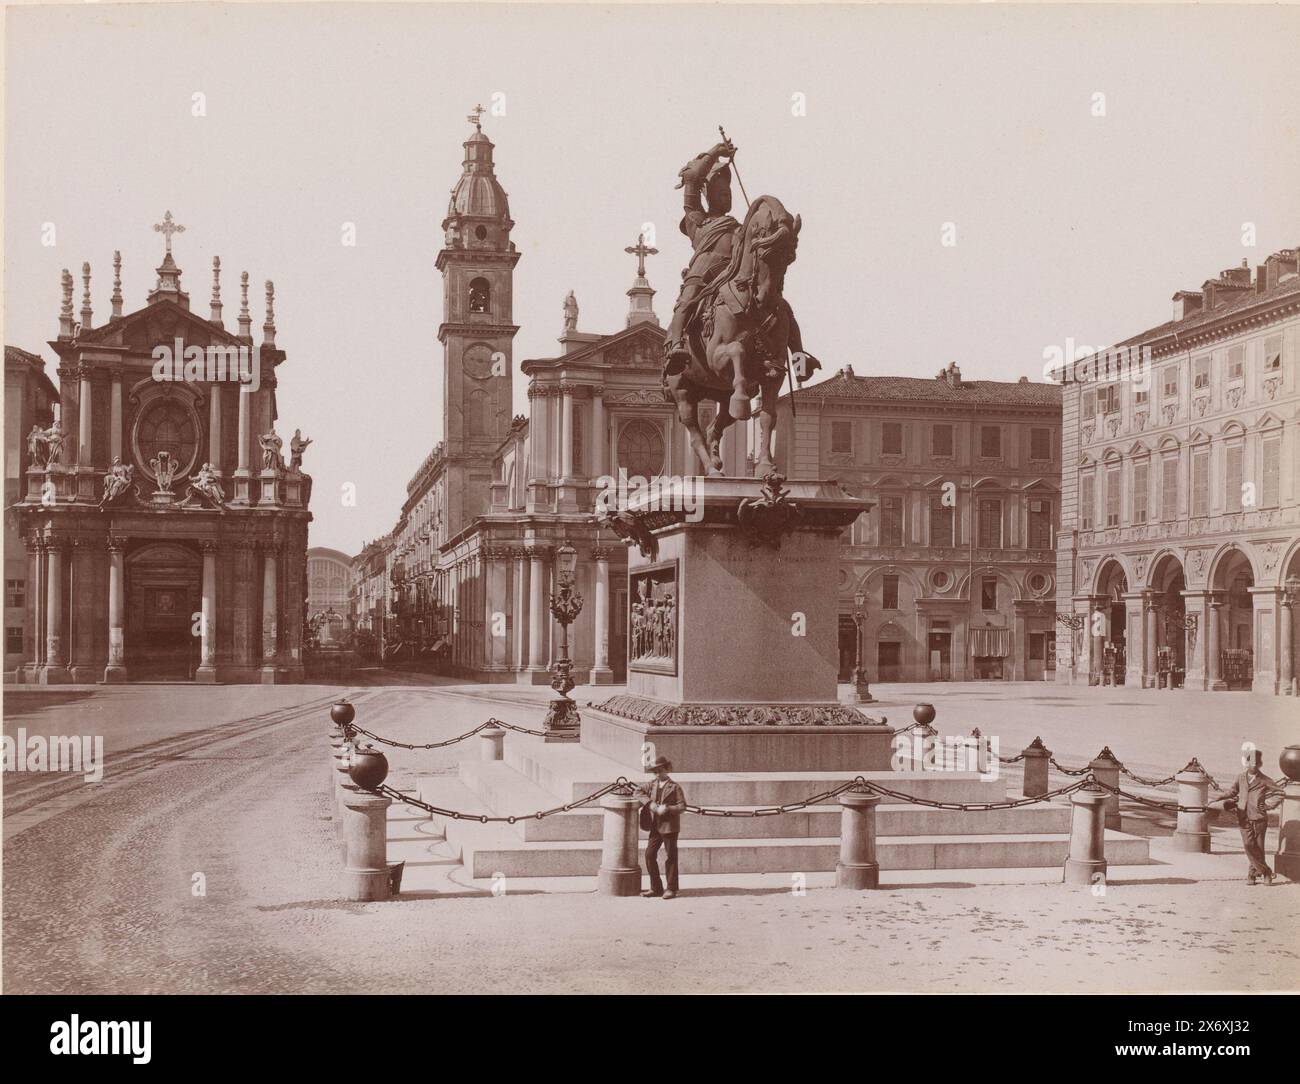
<point>717,189</point>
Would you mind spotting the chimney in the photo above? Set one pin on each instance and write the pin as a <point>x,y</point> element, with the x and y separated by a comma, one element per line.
<point>953,375</point>
<point>1280,264</point>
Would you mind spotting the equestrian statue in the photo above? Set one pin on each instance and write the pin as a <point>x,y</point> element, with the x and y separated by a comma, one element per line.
<point>732,331</point>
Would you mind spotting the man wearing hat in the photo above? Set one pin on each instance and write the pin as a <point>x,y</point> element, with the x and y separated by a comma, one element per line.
<point>1252,795</point>
<point>662,804</point>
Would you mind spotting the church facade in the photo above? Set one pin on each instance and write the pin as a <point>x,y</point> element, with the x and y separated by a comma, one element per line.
<point>165,534</point>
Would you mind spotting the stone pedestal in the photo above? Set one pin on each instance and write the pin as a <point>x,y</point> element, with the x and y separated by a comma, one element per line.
<point>733,632</point>
<point>1286,863</point>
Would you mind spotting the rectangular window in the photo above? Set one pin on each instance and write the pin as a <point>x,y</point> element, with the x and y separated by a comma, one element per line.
<point>988,593</point>
<point>1201,372</point>
<point>941,523</point>
<point>1036,646</point>
<point>1236,362</point>
<point>1040,525</point>
<point>891,521</point>
<point>890,593</point>
<point>1140,482</point>
<point>1170,383</point>
<point>578,471</point>
<point>1169,488</point>
<point>1108,399</point>
<point>941,440</point>
<point>1088,405</point>
<point>15,592</point>
<point>1141,398</point>
<point>1200,483</point>
<point>1271,451</point>
<point>1040,444</point>
<point>1112,497</point>
<point>13,639</point>
<point>1272,353</point>
<point>990,441</point>
<point>1087,501</point>
<point>990,524</point>
<point>891,438</point>
<point>842,437</point>
<point>1232,478</point>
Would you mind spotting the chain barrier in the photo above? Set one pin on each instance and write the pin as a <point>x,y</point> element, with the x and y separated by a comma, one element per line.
<point>621,784</point>
<point>1124,770</point>
<point>1168,807</point>
<point>1064,770</point>
<point>353,728</point>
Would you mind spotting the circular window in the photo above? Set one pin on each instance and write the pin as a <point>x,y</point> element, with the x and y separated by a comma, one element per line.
<point>480,232</point>
<point>940,579</point>
<point>641,449</point>
<point>167,425</point>
<point>1038,583</point>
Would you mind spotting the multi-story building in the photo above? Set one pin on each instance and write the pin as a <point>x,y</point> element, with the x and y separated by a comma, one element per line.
<point>955,561</point>
<point>1179,552</point>
<point>30,399</point>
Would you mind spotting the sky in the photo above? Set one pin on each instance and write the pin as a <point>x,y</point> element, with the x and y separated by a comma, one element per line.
<point>890,130</point>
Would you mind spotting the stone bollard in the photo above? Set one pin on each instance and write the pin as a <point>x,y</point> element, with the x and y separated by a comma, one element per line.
<point>492,743</point>
<point>857,867</point>
<point>1106,768</point>
<point>1036,757</point>
<point>1287,859</point>
<point>1087,857</point>
<point>620,865</point>
<point>342,758</point>
<point>365,827</point>
<point>1193,831</point>
<point>365,836</point>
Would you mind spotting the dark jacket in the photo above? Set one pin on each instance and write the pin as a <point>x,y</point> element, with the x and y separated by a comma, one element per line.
<point>666,793</point>
<point>1253,797</point>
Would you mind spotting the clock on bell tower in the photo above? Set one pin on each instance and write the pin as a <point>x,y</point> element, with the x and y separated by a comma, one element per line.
<point>477,264</point>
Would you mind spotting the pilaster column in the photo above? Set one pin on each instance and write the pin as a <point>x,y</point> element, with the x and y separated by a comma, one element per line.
<point>1286,665</point>
<point>214,426</point>
<point>54,670</point>
<point>40,615</point>
<point>597,441</point>
<point>270,610</point>
<point>1096,631</point>
<point>538,443</point>
<point>518,619</point>
<point>566,432</point>
<point>85,410</point>
<point>1268,606</point>
<point>115,416</point>
<point>1135,640</point>
<point>494,606</point>
<point>601,674</point>
<point>242,475</point>
<point>537,610</point>
<point>116,668</point>
<point>1152,618</point>
<point>207,672</point>
<point>1214,678</point>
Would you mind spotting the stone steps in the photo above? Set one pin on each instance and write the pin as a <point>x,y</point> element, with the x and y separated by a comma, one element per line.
<point>499,788</point>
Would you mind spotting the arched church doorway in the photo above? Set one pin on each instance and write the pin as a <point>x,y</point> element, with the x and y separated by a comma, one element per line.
<point>1167,586</point>
<point>163,593</point>
<point>1111,633</point>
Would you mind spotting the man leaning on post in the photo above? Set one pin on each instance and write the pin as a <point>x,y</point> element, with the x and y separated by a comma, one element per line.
<point>662,805</point>
<point>1253,794</point>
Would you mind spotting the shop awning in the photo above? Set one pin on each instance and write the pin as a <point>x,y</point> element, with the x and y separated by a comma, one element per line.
<point>987,642</point>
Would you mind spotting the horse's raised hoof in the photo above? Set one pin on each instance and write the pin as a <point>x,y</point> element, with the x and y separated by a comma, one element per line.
<point>739,407</point>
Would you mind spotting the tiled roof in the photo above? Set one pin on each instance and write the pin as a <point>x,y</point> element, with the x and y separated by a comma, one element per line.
<point>18,356</point>
<point>1232,305</point>
<point>904,388</point>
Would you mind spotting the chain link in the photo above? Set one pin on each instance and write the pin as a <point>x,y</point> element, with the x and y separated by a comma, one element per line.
<point>621,784</point>
<point>499,724</point>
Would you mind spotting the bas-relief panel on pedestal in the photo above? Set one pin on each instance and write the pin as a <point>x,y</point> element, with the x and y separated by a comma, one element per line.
<point>652,621</point>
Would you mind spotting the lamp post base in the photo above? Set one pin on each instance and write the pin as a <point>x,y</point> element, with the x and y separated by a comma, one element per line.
<point>562,721</point>
<point>861,690</point>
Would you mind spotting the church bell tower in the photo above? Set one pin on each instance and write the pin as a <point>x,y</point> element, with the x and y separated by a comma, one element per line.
<point>477,331</point>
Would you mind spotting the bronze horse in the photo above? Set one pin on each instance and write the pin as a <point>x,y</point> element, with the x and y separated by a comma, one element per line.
<point>740,336</point>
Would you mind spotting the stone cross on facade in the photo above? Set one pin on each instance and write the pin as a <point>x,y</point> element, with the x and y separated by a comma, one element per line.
<point>167,227</point>
<point>474,115</point>
<point>640,250</point>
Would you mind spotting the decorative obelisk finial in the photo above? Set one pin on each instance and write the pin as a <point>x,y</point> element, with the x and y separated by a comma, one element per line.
<point>245,317</point>
<point>268,328</point>
<point>87,314</point>
<point>215,317</point>
<point>117,284</point>
<point>66,321</point>
<point>641,296</point>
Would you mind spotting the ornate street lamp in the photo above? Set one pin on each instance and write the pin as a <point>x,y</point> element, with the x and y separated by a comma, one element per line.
<point>566,604</point>
<point>861,690</point>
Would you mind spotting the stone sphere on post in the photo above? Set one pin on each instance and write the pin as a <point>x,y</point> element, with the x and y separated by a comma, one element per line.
<point>1286,860</point>
<point>1289,762</point>
<point>342,712</point>
<point>367,767</point>
<point>924,714</point>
